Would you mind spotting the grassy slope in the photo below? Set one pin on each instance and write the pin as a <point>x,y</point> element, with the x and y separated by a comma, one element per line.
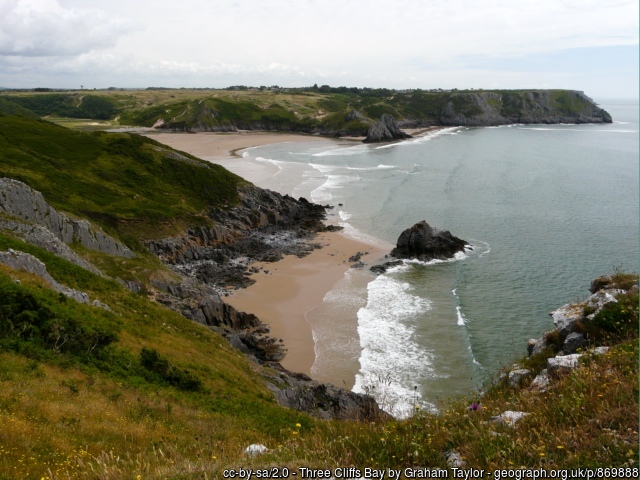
<point>76,411</point>
<point>129,184</point>
<point>73,413</point>
<point>55,401</point>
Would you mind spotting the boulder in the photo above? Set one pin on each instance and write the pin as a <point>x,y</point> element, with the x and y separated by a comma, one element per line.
<point>563,363</point>
<point>517,376</point>
<point>385,130</point>
<point>573,342</point>
<point>427,243</point>
<point>541,382</point>
<point>509,417</point>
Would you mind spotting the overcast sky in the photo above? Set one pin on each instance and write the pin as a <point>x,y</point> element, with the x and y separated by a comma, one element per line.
<point>578,44</point>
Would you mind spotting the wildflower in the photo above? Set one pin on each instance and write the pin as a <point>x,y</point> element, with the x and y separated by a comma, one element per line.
<point>560,447</point>
<point>298,425</point>
<point>474,407</point>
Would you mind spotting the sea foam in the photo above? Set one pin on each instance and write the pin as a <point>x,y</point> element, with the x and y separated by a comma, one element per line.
<point>392,363</point>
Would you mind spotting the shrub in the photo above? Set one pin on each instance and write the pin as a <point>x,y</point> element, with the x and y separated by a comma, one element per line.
<point>182,379</point>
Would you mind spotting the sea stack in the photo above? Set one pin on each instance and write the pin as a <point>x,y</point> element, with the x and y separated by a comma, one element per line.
<point>426,243</point>
<point>385,130</point>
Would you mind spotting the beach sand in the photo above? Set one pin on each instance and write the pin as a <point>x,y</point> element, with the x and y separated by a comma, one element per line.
<point>294,286</point>
<point>213,146</point>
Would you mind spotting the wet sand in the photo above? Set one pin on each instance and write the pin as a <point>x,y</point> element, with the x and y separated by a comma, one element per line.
<point>293,287</point>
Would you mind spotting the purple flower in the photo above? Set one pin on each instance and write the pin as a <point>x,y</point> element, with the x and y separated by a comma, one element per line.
<point>475,407</point>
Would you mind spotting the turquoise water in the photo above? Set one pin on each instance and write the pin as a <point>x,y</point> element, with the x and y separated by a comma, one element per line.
<point>547,209</point>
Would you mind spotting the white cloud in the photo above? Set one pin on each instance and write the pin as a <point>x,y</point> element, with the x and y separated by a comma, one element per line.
<point>405,43</point>
<point>41,28</point>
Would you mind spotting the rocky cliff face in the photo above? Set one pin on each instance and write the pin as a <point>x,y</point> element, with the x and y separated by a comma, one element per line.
<point>21,201</point>
<point>264,227</point>
<point>385,130</point>
<point>544,106</point>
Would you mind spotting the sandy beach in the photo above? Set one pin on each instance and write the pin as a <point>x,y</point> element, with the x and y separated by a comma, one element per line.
<point>285,291</point>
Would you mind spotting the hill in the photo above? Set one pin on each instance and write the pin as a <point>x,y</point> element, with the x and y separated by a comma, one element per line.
<point>326,111</point>
<point>114,363</point>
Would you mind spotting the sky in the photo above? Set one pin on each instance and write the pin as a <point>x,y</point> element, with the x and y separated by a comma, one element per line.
<point>576,44</point>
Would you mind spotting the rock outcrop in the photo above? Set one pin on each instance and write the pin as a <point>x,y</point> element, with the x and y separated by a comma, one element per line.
<point>426,243</point>
<point>385,130</point>
<point>265,226</point>
<point>42,237</point>
<point>322,400</point>
<point>19,200</point>
<point>570,319</point>
<point>480,109</point>
<point>28,263</point>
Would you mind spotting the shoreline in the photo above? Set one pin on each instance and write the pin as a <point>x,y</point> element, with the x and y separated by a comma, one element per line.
<point>293,287</point>
<point>286,291</point>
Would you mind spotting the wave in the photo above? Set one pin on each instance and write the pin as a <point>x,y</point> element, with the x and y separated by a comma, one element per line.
<point>379,167</point>
<point>341,152</point>
<point>579,130</point>
<point>423,138</point>
<point>468,250</point>
<point>344,216</point>
<point>391,361</point>
<point>280,164</point>
<point>324,192</point>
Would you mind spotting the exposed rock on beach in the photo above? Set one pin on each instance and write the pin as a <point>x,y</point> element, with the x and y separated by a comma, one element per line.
<point>426,243</point>
<point>385,130</point>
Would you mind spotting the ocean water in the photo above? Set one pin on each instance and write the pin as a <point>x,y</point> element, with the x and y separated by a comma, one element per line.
<point>547,208</point>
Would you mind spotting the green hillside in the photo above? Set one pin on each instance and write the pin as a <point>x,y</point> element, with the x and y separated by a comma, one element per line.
<point>130,185</point>
<point>136,390</point>
<point>322,110</point>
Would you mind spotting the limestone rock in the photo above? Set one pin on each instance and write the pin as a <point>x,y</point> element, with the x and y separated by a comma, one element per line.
<point>42,237</point>
<point>323,400</point>
<point>255,449</point>
<point>454,459</point>
<point>509,417</point>
<point>19,200</point>
<point>385,130</point>
<point>541,382</point>
<point>573,342</point>
<point>563,363</point>
<point>517,376</point>
<point>28,263</point>
<point>427,243</point>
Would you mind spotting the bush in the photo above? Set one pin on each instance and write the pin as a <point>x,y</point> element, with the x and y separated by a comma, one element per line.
<point>182,379</point>
<point>31,322</point>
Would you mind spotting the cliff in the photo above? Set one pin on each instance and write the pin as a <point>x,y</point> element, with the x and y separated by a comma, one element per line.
<point>328,112</point>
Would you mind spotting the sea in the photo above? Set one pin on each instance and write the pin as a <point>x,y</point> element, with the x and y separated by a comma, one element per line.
<point>545,208</point>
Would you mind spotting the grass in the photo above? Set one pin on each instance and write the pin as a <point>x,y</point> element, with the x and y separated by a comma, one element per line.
<point>134,187</point>
<point>304,110</point>
<point>67,416</point>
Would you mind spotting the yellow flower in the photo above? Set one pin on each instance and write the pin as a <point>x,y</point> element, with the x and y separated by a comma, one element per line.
<point>560,447</point>
<point>298,425</point>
